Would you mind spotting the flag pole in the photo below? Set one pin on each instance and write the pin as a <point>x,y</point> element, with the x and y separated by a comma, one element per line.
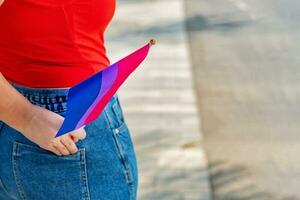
<point>152,41</point>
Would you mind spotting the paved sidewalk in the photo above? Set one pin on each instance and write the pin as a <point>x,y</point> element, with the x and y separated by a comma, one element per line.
<point>159,101</point>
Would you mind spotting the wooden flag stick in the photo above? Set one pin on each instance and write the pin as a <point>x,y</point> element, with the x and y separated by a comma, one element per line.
<point>152,41</point>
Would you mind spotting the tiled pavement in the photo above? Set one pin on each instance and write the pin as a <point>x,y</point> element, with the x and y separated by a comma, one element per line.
<point>159,100</point>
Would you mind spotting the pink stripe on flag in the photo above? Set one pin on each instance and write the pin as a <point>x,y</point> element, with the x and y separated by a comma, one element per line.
<point>109,76</point>
<point>125,67</point>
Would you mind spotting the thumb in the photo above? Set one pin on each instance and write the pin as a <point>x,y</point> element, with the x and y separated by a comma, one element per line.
<point>78,134</point>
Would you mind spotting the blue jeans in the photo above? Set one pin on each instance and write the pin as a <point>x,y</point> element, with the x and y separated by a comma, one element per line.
<point>104,168</point>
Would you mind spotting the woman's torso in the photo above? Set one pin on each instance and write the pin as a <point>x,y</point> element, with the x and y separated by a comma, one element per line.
<point>53,43</point>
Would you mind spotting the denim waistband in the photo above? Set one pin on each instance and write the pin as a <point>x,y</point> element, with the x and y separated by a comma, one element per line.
<point>53,99</point>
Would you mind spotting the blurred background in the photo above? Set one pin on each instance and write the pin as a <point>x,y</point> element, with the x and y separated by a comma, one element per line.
<point>214,109</point>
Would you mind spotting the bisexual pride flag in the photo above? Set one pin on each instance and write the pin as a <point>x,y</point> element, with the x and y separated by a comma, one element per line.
<point>87,99</point>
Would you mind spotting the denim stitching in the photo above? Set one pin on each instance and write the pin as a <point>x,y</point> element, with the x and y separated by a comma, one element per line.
<point>17,180</point>
<point>126,171</point>
<point>4,188</point>
<point>84,175</point>
<point>115,108</point>
<point>59,112</point>
<point>37,98</point>
<point>53,103</point>
<point>127,167</point>
<point>120,107</point>
<point>108,118</point>
<point>124,160</point>
<point>85,189</point>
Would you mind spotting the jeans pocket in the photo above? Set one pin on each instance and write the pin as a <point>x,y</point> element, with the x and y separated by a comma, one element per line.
<point>126,153</point>
<point>40,174</point>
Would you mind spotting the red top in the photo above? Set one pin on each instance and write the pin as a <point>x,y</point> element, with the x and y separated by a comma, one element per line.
<point>53,43</point>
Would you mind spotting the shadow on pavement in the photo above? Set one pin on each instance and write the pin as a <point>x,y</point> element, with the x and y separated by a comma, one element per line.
<point>231,182</point>
<point>219,23</point>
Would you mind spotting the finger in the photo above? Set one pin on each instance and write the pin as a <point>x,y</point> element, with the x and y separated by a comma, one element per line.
<point>61,147</point>
<point>75,139</point>
<point>55,151</point>
<point>80,134</point>
<point>52,149</point>
<point>69,144</point>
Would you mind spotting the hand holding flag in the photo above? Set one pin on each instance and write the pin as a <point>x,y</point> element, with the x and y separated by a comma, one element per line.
<point>87,99</point>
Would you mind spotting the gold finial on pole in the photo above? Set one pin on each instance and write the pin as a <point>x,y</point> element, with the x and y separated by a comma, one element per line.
<point>152,41</point>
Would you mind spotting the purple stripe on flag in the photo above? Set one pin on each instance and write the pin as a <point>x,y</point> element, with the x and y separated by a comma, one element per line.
<point>109,76</point>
